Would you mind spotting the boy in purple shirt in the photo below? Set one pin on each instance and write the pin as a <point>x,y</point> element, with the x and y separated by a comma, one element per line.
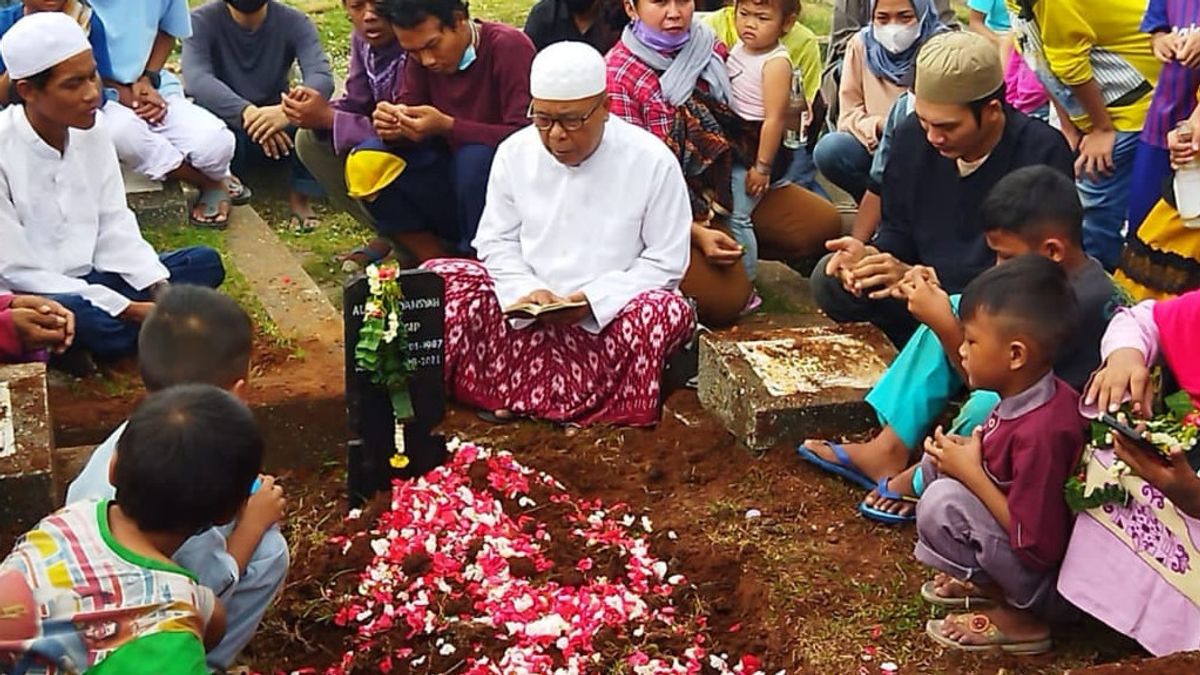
<point>992,517</point>
<point>466,88</point>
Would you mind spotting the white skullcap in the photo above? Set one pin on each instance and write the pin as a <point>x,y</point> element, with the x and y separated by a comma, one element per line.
<point>567,71</point>
<point>39,42</point>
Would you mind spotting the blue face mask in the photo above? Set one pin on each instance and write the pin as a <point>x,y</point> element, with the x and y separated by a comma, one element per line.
<point>468,57</point>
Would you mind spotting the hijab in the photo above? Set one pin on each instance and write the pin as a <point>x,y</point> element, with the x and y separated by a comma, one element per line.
<point>898,68</point>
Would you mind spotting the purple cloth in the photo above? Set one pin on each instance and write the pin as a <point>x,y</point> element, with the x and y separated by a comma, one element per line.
<point>1106,577</point>
<point>1175,95</point>
<point>1024,90</point>
<point>375,75</point>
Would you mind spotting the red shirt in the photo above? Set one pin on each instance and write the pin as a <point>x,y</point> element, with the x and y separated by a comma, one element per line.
<point>490,99</point>
<point>1031,446</point>
<point>635,92</point>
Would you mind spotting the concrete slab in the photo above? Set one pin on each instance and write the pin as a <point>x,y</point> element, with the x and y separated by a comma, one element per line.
<point>155,203</point>
<point>26,484</point>
<point>782,385</point>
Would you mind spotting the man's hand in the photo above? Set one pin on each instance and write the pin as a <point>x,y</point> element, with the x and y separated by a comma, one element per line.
<point>565,317</point>
<point>277,145</point>
<point>959,457</point>
<point>1096,154</point>
<point>1187,50</point>
<point>1123,374</point>
<point>880,271</point>
<point>718,248</point>
<point>306,108</point>
<point>387,122</point>
<point>847,252</point>
<point>757,183</point>
<point>147,102</point>
<point>54,325</point>
<point>927,301</point>
<point>264,122</point>
<point>1174,477</point>
<point>136,312</point>
<point>1165,45</point>
<point>423,121</point>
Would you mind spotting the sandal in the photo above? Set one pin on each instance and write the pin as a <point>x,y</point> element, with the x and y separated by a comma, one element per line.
<point>491,417</point>
<point>929,594</point>
<point>886,517</point>
<point>844,467</point>
<point>211,200</point>
<point>240,194</point>
<point>301,224</point>
<point>994,638</point>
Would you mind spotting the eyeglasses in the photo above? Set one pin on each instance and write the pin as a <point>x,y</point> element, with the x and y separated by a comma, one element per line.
<point>546,122</point>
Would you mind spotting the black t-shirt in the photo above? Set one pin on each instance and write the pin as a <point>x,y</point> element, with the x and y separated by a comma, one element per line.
<point>550,21</point>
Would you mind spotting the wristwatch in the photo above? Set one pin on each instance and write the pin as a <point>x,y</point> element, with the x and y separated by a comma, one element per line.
<point>155,77</point>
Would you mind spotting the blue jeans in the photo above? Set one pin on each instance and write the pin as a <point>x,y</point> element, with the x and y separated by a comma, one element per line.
<point>803,172</point>
<point>248,154</point>
<point>108,337</point>
<point>740,225</point>
<point>917,387</point>
<point>845,162</point>
<point>440,191</point>
<point>1106,203</point>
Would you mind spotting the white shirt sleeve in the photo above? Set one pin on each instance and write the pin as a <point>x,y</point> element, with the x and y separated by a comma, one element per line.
<point>120,247</point>
<point>20,269</point>
<point>498,239</point>
<point>666,236</point>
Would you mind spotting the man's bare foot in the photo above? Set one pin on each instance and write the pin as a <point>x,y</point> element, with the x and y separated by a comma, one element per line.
<point>900,484</point>
<point>1016,625</point>
<point>884,455</point>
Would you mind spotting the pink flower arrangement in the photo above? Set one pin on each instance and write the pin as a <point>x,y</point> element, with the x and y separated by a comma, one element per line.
<point>461,577</point>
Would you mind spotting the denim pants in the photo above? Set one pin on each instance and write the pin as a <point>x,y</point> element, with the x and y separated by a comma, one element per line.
<point>740,225</point>
<point>845,162</point>
<point>248,154</point>
<point>1106,203</point>
<point>107,336</point>
<point>440,191</point>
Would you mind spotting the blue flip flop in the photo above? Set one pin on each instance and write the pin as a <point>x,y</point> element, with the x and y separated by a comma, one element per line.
<point>881,516</point>
<point>844,467</point>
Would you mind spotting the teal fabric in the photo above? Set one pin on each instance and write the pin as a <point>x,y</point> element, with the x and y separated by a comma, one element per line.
<point>917,387</point>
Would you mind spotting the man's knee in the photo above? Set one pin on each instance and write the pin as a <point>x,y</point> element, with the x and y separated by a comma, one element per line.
<point>312,149</point>
<point>199,265</point>
<point>212,151</point>
<point>472,165</point>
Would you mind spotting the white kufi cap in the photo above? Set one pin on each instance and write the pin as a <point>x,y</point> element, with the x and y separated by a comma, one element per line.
<point>39,42</point>
<point>567,71</point>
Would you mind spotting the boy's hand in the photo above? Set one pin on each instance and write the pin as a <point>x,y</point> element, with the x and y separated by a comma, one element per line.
<point>1124,373</point>
<point>958,457</point>
<point>50,317</point>
<point>756,183</point>
<point>1183,150</point>
<point>1187,50</point>
<point>265,507</point>
<point>422,121</point>
<point>147,102</point>
<point>1096,154</point>
<point>1165,46</point>
<point>306,108</point>
<point>387,122</point>
<point>927,301</point>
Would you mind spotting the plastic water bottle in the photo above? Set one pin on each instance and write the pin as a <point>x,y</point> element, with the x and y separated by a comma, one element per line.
<point>1187,183</point>
<point>792,139</point>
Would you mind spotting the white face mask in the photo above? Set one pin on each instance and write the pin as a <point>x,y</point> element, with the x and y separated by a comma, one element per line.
<point>896,37</point>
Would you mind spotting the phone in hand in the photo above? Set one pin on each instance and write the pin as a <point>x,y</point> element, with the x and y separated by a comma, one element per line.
<point>1131,434</point>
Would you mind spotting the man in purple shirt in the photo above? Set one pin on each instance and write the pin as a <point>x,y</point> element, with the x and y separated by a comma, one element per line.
<point>331,129</point>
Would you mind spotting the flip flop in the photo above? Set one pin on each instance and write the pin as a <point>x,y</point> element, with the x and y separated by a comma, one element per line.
<point>995,638</point>
<point>241,195</point>
<point>211,200</point>
<point>929,594</point>
<point>844,467</point>
<point>301,224</point>
<point>492,418</point>
<point>885,517</point>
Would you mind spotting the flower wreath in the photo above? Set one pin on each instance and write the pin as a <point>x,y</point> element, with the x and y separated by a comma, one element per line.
<point>383,351</point>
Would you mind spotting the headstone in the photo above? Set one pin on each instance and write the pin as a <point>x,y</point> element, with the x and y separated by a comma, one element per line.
<point>786,384</point>
<point>26,445</point>
<point>368,407</point>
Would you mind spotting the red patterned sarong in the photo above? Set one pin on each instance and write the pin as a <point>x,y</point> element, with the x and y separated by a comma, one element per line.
<point>558,373</point>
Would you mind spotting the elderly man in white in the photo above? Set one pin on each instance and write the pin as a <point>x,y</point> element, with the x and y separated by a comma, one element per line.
<point>65,230</point>
<point>586,229</point>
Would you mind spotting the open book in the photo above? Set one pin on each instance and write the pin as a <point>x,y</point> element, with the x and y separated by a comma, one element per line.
<point>529,310</point>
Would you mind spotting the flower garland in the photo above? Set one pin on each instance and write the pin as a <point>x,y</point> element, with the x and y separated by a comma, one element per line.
<point>382,348</point>
<point>1095,485</point>
<point>467,576</point>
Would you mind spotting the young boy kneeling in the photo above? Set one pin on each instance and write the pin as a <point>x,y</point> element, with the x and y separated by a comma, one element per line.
<point>992,517</point>
<point>197,335</point>
<point>93,587</point>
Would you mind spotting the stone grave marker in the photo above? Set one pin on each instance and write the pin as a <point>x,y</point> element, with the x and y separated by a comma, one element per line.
<point>369,410</point>
<point>787,384</point>
<point>26,446</point>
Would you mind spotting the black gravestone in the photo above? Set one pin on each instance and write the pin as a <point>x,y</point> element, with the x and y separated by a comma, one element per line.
<point>368,407</point>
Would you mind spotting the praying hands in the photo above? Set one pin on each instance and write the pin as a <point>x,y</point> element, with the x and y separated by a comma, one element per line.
<point>394,122</point>
<point>41,323</point>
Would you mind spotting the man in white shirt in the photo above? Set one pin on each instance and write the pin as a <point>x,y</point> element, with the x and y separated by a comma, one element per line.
<point>581,208</point>
<point>67,232</point>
